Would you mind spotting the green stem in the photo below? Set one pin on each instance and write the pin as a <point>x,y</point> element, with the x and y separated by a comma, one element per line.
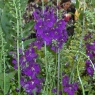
<point>81,40</point>
<point>72,72</point>
<point>21,27</point>
<point>58,72</point>
<point>18,28</point>
<point>43,6</point>
<point>80,80</point>
<point>58,82</point>
<point>46,81</point>
<point>61,76</point>
<point>4,76</point>
<point>85,57</point>
<point>3,57</point>
<point>18,55</point>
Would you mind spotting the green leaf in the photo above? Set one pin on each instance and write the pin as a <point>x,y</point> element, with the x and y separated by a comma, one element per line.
<point>2,4</point>
<point>27,42</point>
<point>77,4</point>
<point>1,81</point>
<point>6,25</point>
<point>28,27</point>
<point>8,77</point>
<point>1,93</point>
<point>23,4</point>
<point>1,51</point>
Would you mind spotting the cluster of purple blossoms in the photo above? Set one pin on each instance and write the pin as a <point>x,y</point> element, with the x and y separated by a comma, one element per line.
<point>49,29</point>
<point>29,71</point>
<point>67,87</point>
<point>90,51</point>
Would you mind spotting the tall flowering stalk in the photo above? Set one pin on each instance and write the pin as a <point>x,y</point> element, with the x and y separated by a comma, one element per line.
<point>2,56</point>
<point>20,22</point>
<point>90,51</point>
<point>58,84</point>
<point>18,31</point>
<point>80,46</point>
<point>30,70</point>
<point>51,32</point>
<point>46,65</point>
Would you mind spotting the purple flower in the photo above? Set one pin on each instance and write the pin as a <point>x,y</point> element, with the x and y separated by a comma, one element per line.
<point>32,70</point>
<point>55,34</point>
<point>50,19</point>
<point>54,90</point>
<point>54,48</point>
<point>39,42</point>
<point>33,85</point>
<point>50,30</point>
<point>29,71</point>
<point>36,15</point>
<point>90,70</point>
<point>69,90</point>
<point>30,54</point>
<point>39,26</point>
<point>61,24</point>
<point>67,87</point>
<point>65,80</point>
<point>90,51</point>
<point>46,36</point>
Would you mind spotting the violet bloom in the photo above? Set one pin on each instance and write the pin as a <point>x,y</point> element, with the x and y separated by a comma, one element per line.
<point>70,89</point>
<point>32,85</point>
<point>54,90</point>
<point>50,30</point>
<point>49,19</point>
<point>39,26</point>
<point>88,63</point>
<point>55,34</point>
<point>65,80</point>
<point>29,72</point>
<point>32,70</point>
<point>67,87</point>
<point>90,70</point>
<point>39,42</point>
<point>36,15</point>
<point>22,81</point>
<point>46,36</point>
<point>62,39</point>
<point>90,49</point>
<point>90,46</point>
<point>14,61</point>
<point>30,54</point>
<point>61,25</point>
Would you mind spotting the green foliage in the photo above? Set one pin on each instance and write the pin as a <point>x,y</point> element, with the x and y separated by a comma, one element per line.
<point>77,4</point>
<point>8,78</point>
<point>9,20</point>
<point>71,61</point>
<point>2,4</point>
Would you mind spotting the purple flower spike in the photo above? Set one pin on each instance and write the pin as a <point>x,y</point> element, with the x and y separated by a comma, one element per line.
<point>39,26</point>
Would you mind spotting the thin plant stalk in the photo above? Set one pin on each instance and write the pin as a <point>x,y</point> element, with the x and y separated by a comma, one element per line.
<point>83,92</point>
<point>58,84</point>
<point>4,75</point>
<point>20,21</point>
<point>58,73</point>
<point>18,28</point>
<point>3,57</point>
<point>76,57</point>
<point>46,81</point>
<point>81,42</point>
<point>85,57</point>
